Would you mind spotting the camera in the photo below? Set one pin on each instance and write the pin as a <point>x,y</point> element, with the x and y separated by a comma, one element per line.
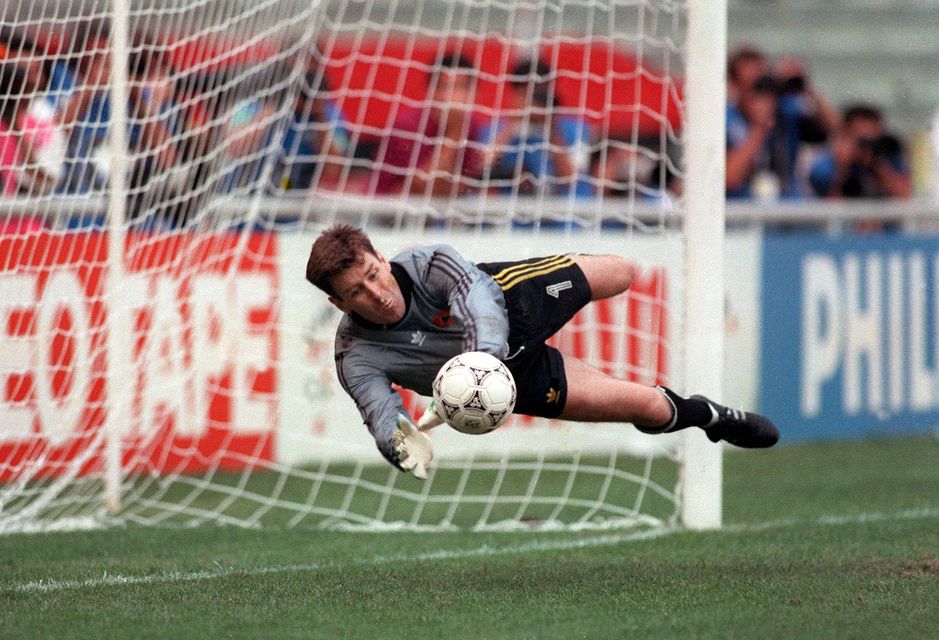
<point>884,146</point>
<point>766,84</point>
<point>793,84</point>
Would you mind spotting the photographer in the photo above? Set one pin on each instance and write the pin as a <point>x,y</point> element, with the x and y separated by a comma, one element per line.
<point>806,120</point>
<point>862,160</point>
<point>751,133</point>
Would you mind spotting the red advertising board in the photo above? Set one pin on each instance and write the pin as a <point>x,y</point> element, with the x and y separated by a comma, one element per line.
<point>196,375</point>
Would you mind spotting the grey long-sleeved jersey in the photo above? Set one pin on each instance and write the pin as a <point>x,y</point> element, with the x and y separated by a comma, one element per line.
<point>452,307</point>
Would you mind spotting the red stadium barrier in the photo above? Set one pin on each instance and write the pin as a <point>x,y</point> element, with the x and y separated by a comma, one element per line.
<point>374,76</point>
<point>598,79</point>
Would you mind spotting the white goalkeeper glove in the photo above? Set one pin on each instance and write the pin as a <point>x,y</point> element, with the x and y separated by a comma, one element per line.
<point>430,419</point>
<point>415,450</point>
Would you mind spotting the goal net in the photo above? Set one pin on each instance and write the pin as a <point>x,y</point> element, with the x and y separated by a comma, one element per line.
<point>165,167</point>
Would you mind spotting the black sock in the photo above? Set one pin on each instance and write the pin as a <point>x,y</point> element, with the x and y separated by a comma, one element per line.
<point>686,412</point>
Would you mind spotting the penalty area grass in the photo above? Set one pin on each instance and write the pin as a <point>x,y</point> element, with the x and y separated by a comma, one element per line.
<point>832,540</point>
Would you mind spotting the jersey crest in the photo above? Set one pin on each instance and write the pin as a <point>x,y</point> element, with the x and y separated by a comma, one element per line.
<point>443,319</point>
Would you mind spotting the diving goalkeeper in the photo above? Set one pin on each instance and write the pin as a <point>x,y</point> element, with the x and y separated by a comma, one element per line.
<point>405,317</point>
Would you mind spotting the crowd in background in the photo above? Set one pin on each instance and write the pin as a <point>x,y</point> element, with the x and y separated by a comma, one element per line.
<point>785,139</point>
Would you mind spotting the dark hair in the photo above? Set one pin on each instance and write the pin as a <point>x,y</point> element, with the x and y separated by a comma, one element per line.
<point>522,71</point>
<point>767,84</point>
<point>19,44</point>
<point>744,53</point>
<point>453,62</point>
<point>147,58</point>
<point>13,85</point>
<point>314,83</point>
<point>337,249</point>
<point>862,111</point>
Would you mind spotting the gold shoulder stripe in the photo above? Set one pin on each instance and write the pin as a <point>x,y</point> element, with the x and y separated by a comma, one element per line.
<point>521,277</point>
<point>523,265</point>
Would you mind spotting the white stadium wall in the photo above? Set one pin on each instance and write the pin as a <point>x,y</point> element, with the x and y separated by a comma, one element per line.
<point>742,262</point>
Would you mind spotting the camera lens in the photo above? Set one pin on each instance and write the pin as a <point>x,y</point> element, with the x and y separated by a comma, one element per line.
<point>795,84</point>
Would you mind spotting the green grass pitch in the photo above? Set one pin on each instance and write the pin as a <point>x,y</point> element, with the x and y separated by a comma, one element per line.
<point>836,540</point>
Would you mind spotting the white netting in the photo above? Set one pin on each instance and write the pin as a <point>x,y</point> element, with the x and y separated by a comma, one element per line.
<point>163,355</point>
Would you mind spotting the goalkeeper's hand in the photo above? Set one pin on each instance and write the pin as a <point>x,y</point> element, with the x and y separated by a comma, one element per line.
<point>414,449</point>
<point>430,419</point>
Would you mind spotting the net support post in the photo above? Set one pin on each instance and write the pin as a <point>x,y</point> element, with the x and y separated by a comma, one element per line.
<point>704,126</point>
<point>117,197</point>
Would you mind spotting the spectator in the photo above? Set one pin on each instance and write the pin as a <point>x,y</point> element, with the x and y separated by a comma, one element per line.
<point>447,135</point>
<point>746,65</point>
<point>43,136</point>
<point>153,120</point>
<point>246,126</point>
<point>805,121</point>
<point>14,103</point>
<point>222,141</point>
<point>315,138</point>
<point>249,129</point>
<point>863,160</point>
<point>21,139</point>
<point>152,110</point>
<point>37,56</point>
<point>199,120</point>
<point>537,148</point>
<point>87,114</point>
<point>155,124</point>
<point>751,123</point>
<point>776,120</point>
<point>621,169</point>
<point>13,109</point>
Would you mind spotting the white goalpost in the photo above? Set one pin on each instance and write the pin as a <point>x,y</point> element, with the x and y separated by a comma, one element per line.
<point>706,95</point>
<point>165,167</point>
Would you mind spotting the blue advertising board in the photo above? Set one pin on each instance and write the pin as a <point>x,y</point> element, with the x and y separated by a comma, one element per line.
<point>848,340</point>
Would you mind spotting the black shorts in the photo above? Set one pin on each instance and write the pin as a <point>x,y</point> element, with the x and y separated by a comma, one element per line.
<point>541,296</point>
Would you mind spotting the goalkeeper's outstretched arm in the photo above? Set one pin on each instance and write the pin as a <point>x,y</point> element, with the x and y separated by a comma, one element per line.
<point>382,410</point>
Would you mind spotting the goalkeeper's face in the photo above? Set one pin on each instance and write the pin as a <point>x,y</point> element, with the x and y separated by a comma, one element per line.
<point>369,289</point>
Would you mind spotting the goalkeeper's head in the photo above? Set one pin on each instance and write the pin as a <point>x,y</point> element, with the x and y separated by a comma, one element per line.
<point>357,278</point>
<point>336,250</point>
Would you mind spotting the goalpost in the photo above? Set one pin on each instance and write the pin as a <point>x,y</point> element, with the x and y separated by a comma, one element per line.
<point>165,167</point>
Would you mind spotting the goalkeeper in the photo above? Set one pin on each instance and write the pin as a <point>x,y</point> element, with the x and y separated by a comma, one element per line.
<point>405,317</point>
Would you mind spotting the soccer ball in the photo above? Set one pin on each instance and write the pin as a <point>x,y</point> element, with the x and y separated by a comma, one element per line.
<point>474,392</point>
